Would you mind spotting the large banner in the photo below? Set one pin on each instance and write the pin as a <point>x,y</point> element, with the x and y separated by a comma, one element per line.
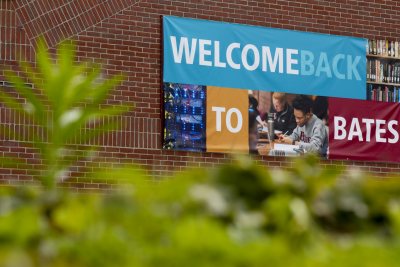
<point>237,88</point>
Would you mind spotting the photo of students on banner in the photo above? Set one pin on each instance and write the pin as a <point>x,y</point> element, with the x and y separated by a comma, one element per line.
<point>288,125</point>
<point>228,120</point>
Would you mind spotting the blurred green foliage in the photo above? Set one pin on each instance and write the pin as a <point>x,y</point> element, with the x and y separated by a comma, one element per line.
<point>67,104</point>
<point>208,217</point>
<point>239,214</point>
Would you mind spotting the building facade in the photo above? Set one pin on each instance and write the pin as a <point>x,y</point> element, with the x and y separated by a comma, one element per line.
<point>126,36</point>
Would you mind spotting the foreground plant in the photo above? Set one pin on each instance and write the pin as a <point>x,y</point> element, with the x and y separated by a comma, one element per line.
<point>239,214</point>
<point>64,107</point>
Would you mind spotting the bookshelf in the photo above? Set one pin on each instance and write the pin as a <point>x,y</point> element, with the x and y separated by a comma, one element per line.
<point>383,71</point>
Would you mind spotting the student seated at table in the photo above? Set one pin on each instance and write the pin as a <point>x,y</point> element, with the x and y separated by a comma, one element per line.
<point>253,107</point>
<point>310,133</point>
<point>253,133</point>
<point>284,120</point>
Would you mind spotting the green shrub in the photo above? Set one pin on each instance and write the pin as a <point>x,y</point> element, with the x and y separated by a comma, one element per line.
<point>239,214</point>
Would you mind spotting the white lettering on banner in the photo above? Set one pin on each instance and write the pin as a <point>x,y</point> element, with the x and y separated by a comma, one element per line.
<point>218,119</point>
<point>203,52</point>
<point>229,59</point>
<point>229,113</point>
<point>256,54</point>
<point>251,57</point>
<point>217,59</point>
<point>368,123</point>
<point>183,47</point>
<point>339,130</point>
<point>291,61</point>
<point>355,130</point>
<point>380,130</point>
<point>272,63</point>
<point>395,134</point>
<point>239,120</point>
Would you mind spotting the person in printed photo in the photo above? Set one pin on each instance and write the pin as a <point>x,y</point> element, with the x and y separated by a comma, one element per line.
<point>253,107</point>
<point>310,133</point>
<point>284,120</point>
<point>320,107</point>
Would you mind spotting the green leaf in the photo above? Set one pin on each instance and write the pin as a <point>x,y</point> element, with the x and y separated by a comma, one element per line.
<point>30,97</point>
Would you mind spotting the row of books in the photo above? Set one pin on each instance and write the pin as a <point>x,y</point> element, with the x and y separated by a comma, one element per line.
<point>383,93</point>
<point>383,48</point>
<point>382,71</point>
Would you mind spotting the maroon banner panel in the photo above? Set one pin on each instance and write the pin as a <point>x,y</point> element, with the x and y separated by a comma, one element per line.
<point>364,130</point>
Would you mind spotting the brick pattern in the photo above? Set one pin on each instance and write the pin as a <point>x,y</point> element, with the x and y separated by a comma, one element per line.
<point>57,21</point>
<point>14,43</point>
<point>125,35</point>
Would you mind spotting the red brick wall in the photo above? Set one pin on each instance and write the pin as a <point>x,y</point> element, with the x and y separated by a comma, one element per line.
<point>125,35</point>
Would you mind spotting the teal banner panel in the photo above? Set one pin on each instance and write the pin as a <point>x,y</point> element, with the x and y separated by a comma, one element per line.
<point>250,57</point>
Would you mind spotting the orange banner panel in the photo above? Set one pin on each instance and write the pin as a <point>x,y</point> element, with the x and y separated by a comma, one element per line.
<point>227,120</point>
